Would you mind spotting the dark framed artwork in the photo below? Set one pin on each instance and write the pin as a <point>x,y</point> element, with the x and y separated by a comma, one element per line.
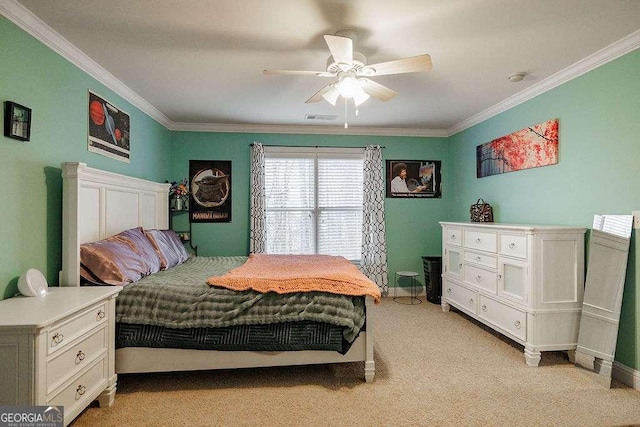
<point>210,183</point>
<point>414,179</point>
<point>109,129</point>
<point>17,121</point>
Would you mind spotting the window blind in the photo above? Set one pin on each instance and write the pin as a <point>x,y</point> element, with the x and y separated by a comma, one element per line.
<point>314,202</point>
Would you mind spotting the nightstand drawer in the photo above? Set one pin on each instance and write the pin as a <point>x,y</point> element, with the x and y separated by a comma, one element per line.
<point>62,335</point>
<point>66,364</point>
<point>81,390</point>
<point>504,317</point>
<point>481,240</point>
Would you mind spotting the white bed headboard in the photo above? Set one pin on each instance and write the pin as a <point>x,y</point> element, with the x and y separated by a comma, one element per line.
<point>97,204</point>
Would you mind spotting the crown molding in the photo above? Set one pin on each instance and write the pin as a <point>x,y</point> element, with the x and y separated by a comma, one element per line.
<point>307,129</point>
<point>33,25</point>
<point>601,57</point>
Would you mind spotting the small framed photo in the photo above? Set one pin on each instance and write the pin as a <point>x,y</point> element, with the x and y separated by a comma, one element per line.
<point>17,121</point>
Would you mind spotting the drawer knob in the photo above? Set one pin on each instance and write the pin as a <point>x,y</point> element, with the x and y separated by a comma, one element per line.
<point>56,339</point>
<point>453,237</point>
<point>478,240</point>
<point>79,357</point>
<point>478,278</point>
<point>449,290</point>
<point>470,301</point>
<point>512,245</point>
<point>517,324</point>
<point>499,277</point>
<point>460,265</point>
<point>478,258</point>
<point>484,307</point>
<point>80,391</point>
<point>100,315</point>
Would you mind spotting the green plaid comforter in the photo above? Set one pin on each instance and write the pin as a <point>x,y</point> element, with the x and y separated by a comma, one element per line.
<point>180,298</point>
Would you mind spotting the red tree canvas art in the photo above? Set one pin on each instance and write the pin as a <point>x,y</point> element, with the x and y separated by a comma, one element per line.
<point>530,147</point>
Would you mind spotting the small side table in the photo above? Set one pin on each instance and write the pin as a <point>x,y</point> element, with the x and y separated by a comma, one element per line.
<point>411,275</point>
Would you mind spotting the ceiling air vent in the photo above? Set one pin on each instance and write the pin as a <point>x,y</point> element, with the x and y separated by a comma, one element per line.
<point>328,117</point>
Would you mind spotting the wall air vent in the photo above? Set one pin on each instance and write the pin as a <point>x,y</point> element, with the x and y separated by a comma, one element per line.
<point>327,117</point>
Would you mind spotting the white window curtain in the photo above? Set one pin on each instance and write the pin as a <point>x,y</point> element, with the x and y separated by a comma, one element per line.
<point>258,230</point>
<point>374,243</point>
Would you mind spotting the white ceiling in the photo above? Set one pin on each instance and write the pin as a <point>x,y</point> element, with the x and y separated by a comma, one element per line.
<point>200,62</point>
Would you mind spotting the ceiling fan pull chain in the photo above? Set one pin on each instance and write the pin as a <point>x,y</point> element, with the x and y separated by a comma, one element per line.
<point>346,125</point>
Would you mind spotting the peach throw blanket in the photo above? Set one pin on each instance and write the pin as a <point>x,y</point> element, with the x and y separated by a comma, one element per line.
<point>298,273</point>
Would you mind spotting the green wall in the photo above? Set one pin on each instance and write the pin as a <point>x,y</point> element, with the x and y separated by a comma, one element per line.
<point>597,171</point>
<point>30,219</point>
<point>412,225</point>
<point>599,145</point>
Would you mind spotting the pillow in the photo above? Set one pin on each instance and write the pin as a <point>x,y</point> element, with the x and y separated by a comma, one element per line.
<point>170,247</point>
<point>112,261</point>
<point>144,247</point>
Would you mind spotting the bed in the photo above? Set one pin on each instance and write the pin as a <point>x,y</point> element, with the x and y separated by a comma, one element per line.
<point>99,204</point>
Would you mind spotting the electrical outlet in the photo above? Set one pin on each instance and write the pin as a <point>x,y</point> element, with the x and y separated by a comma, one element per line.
<point>636,219</point>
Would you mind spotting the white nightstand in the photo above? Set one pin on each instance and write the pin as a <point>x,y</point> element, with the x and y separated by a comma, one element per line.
<point>59,349</point>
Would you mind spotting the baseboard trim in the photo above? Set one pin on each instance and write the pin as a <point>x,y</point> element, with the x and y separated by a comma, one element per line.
<point>401,291</point>
<point>626,375</point>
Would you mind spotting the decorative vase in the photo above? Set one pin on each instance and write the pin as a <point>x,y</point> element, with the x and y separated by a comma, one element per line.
<point>178,204</point>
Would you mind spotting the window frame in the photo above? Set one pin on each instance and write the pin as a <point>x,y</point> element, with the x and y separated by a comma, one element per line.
<point>316,153</point>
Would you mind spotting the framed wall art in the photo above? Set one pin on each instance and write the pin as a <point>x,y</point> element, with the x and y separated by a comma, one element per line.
<point>210,183</point>
<point>416,179</point>
<point>531,147</point>
<point>17,121</point>
<point>109,132</point>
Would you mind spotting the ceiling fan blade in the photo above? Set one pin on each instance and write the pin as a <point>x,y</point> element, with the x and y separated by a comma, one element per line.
<point>414,64</point>
<point>341,48</point>
<point>301,73</point>
<point>318,95</point>
<point>377,90</point>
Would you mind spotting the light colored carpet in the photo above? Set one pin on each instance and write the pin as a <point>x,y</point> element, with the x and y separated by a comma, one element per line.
<point>432,369</point>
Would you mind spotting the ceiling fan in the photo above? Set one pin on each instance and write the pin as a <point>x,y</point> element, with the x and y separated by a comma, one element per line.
<point>352,72</point>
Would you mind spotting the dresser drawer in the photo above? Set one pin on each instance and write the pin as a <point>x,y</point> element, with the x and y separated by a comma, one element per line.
<point>63,334</point>
<point>460,296</point>
<point>507,318</point>
<point>482,259</point>
<point>481,240</point>
<point>67,363</point>
<point>453,236</point>
<point>481,278</point>
<point>81,390</point>
<point>513,245</point>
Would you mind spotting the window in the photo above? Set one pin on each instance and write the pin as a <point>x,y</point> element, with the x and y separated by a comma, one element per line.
<point>314,201</point>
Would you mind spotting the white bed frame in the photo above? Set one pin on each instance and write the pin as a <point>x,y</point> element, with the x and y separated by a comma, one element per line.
<point>99,204</point>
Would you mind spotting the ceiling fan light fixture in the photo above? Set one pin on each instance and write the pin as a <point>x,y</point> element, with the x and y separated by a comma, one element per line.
<point>331,95</point>
<point>348,86</point>
<point>360,97</point>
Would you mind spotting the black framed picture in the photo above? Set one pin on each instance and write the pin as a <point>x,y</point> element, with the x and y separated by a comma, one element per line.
<point>109,133</point>
<point>17,121</point>
<point>414,179</point>
<point>210,184</point>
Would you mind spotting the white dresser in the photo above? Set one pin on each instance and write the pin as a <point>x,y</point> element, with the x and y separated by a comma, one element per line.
<point>524,281</point>
<point>59,349</point>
